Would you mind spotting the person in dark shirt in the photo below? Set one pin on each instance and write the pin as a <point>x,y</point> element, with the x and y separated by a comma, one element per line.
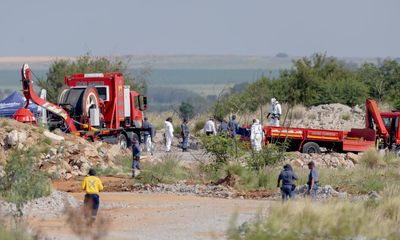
<point>136,156</point>
<point>287,176</point>
<point>223,127</point>
<point>185,135</point>
<point>312,180</point>
<point>233,126</point>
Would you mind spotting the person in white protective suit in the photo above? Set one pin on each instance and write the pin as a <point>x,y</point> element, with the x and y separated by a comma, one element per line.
<point>256,135</point>
<point>275,113</point>
<point>169,133</point>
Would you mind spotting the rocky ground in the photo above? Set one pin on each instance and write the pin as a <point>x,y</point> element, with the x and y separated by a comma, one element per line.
<point>61,155</point>
<point>328,116</point>
<point>180,211</point>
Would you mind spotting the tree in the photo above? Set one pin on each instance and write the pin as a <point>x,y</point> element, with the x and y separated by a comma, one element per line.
<point>186,110</point>
<point>54,82</point>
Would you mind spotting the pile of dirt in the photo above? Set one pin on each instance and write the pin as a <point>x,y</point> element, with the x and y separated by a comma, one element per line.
<point>61,155</point>
<point>329,160</point>
<point>52,205</point>
<point>329,116</point>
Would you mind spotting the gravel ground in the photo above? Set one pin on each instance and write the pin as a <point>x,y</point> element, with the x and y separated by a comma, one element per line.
<point>160,216</point>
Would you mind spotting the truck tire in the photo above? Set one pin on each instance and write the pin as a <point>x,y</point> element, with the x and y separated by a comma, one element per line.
<point>311,147</point>
<point>123,141</point>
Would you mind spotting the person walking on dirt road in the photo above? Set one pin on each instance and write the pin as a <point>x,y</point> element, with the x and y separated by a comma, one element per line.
<point>169,133</point>
<point>136,156</point>
<point>287,176</point>
<point>92,185</point>
<point>185,133</point>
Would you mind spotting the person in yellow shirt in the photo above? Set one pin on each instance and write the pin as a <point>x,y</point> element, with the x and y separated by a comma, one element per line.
<point>92,185</point>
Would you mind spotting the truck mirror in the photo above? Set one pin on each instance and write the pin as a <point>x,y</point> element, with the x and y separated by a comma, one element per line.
<point>142,103</point>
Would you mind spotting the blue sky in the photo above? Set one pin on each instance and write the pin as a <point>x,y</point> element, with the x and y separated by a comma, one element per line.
<point>352,28</point>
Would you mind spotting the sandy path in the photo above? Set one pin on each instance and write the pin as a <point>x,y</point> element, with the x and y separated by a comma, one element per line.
<point>161,216</point>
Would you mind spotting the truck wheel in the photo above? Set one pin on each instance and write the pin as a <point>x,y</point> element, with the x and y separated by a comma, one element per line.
<point>122,141</point>
<point>311,147</point>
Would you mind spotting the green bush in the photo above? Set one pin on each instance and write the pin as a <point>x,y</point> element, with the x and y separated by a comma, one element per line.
<point>270,155</point>
<point>169,170</point>
<point>22,180</point>
<point>222,148</point>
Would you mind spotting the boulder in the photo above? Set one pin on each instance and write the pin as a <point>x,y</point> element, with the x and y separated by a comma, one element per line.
<point>112,152</point>
<point>374,195</point>
<point>52,152</point>
<point>90,151</point>
<point>53,137</point>
<point>297,163</point>
<point>14,137</point>
<point>2,173</point>
<point>355,158</point>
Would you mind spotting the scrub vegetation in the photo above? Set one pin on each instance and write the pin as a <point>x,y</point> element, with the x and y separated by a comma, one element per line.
<point>371,219</point>
<point>318,80</point>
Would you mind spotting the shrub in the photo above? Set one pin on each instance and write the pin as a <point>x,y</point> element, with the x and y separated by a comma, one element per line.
<point>371,159</point>
<point>222,148</point>
<point>4,124</point>
<point>169,170</point>
<point>270,155</point>
<point>346,116</point>
<point>199,125</point>
<point>47,141</point>
<point>22,181</point>
<point>7,233</point>
<point>324,220</point>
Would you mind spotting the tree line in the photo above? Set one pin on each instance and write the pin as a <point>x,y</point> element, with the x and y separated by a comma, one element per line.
<point>318,80</point>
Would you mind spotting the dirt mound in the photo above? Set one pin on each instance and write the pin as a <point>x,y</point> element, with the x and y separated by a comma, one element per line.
<point>329,160</point>
<point>328,116</point>
<point>61,155</point>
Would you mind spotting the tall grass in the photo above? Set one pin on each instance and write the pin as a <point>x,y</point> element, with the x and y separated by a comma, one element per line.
<point>325,220</point>
<point>169,170</point>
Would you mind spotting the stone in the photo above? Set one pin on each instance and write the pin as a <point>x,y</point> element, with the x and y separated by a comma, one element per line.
<point>14,137</point>
<point>66,166</point>
<point>90,151</point>
<point>52,152</point>
<point>53,137</point>
<point>68,176</point>
<point>2,173</point>
<point>374,195</point>
<point>355,158</point>
<point>297,163</point>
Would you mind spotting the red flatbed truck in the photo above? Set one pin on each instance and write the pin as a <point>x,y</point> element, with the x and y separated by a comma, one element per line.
<point>381,130</point>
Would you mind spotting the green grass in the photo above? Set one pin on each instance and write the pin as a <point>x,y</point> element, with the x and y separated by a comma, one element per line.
<point>169,170</point>
<point>23,181</point>
<point>306,220</point>
<point>16,233</point>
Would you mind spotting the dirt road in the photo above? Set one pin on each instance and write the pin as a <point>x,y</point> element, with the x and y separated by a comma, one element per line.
<point>160,216</point>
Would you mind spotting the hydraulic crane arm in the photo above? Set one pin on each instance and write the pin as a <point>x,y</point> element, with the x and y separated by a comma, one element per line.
<point>372,113</point>
<point>30,95</point>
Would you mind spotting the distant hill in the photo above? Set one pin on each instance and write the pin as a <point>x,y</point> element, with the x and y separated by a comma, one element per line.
<point>177,61</point>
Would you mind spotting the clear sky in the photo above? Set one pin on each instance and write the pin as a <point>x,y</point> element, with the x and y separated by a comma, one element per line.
<point>343,28</point>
